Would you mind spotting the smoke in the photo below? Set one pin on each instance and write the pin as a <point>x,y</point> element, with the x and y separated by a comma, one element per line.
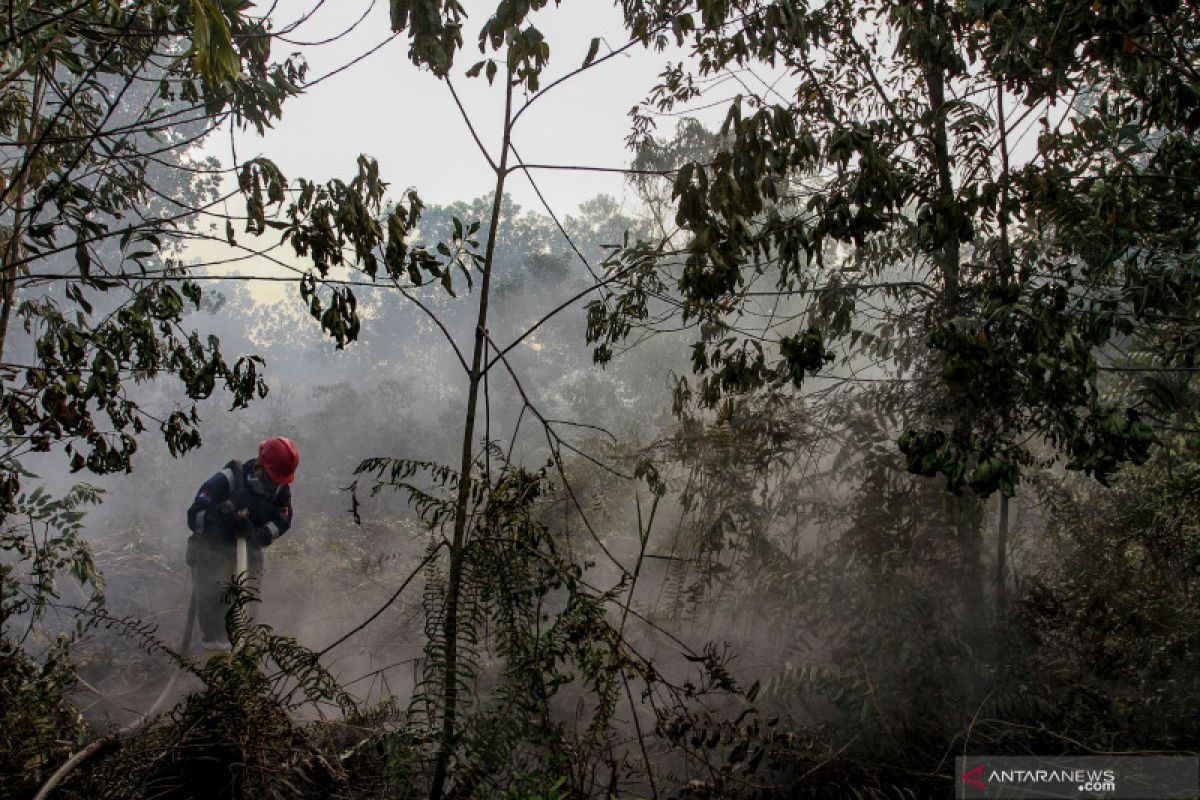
<point>394,393</point>
<point>774,559</point>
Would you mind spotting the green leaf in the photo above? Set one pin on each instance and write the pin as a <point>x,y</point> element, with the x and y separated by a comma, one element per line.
<point>83,259</point>
<point>592,50</point>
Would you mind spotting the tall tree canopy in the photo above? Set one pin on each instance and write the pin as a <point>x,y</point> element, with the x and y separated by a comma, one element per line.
<point>988,200</point>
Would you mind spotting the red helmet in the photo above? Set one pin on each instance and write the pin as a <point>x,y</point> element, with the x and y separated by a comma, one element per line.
<point>279,457</point>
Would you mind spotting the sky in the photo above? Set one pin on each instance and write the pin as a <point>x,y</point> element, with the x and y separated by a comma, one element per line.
<point>405,118</point>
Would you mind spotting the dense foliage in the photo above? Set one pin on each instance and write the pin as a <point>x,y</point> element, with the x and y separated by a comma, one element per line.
<point>928,293</point>
<point>101,107</point>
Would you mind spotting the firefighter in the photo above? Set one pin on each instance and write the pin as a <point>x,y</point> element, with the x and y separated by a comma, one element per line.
<point>252,499</point>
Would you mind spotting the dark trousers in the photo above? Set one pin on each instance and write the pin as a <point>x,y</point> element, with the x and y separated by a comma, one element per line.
<point>213,560</point>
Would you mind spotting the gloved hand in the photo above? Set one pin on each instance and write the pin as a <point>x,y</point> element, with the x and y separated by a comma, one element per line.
<point>261,536</point>
<point>227,511</point>
<point>242,526</point>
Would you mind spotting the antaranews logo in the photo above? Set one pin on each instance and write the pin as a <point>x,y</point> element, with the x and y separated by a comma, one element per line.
<point>1124,777</point>
<point>974,777</point>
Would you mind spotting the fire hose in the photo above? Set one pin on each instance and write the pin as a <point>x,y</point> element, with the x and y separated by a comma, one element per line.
<point>242,558</point>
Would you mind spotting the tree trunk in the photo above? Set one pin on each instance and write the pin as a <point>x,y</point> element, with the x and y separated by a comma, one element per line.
<point>20,187</point>
<point>948,257</point>
<point>463,499</point>
<point>1002,558</point>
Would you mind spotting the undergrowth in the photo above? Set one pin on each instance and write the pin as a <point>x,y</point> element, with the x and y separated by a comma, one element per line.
<point>880,689</point>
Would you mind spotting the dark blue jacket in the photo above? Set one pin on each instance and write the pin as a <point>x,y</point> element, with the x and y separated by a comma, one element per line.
<point>269,515</point>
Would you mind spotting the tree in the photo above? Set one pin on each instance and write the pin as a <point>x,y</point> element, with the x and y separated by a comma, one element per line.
<point>493,558</point>
<point>100,106</point>
<point>877,208</point>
